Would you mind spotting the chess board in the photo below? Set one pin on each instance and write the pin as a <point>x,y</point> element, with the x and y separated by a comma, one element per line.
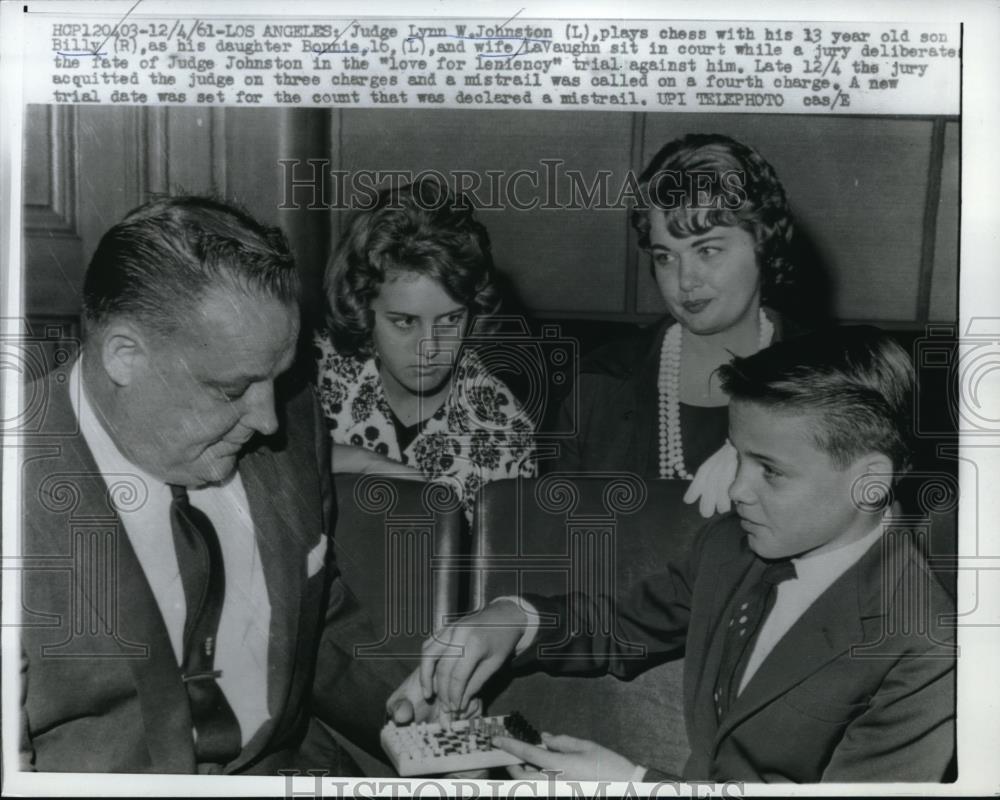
<point>430,748</point>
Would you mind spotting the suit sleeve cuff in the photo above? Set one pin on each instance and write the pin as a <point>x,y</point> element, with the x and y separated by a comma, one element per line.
<point>530,628</point>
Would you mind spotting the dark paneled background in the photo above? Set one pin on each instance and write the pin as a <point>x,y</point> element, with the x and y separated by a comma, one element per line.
<point>876,199</point>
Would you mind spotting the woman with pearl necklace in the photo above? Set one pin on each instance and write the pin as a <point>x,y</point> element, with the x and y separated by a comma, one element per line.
<point>715,222</point>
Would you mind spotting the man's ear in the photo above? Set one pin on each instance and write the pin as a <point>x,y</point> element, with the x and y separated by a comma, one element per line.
<point>875,472</point>
<point>123,352</point>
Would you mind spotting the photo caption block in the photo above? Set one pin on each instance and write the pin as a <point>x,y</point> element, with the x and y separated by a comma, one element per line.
<point>780,67</point>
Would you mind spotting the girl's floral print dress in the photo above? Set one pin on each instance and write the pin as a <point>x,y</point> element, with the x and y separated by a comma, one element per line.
<point>479,434</point>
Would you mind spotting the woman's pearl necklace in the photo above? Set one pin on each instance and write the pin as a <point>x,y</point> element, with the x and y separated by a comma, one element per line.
<point>669,385</point>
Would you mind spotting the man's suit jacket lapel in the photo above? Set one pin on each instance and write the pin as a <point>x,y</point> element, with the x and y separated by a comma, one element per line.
<point>828,628</point>
<point>282,527</point>
<point>161,692</point>
<point>126,606</point>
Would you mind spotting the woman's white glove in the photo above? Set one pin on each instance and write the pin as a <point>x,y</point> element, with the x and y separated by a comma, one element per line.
<point>712,481</point>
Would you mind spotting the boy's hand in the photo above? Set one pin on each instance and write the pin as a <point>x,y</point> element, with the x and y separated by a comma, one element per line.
<point>711,482</point>
<point>574,759</point>
<point>458,660</point>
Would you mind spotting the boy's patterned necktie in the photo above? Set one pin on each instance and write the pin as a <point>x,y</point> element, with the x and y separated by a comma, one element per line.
<point>199,556</point>
<point>749,613</point>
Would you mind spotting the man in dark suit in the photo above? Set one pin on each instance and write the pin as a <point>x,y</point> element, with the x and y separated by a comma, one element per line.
<point>810,625</point>
<point>182,609</point>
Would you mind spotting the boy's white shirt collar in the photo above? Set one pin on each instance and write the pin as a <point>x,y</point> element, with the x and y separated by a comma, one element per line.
<point>837,561</point>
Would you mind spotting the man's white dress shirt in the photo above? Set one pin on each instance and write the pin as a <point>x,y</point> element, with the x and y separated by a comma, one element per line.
<point>244,628</point>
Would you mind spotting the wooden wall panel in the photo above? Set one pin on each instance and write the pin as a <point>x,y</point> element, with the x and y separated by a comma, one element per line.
<point>111,158</point>
<point>52,242</point>
<point>249,171</point>
<point>559,260</point>
<point>87,167</point>
<point>42,146</point>
<point>304,135</point>
<point>944,285</point>
<point>96,166</point>
<point>857,188</point>
<point>190,166</point>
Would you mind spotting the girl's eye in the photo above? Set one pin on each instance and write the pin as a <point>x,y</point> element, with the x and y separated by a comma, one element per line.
<point>661,259</point>
<point>404,323</point>
<point>456,318</point>
<point>708,252</point>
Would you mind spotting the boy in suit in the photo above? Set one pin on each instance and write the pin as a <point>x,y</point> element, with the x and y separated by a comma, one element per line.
<point>809,624</point>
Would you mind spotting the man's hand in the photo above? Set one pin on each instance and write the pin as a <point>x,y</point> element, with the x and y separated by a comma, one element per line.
<point>712,481</point>
<point>407,704</point>
<point>458,660</point>
<point>575,759</point>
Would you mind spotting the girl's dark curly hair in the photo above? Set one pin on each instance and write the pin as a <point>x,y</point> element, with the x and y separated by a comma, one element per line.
<point>702,180</point>
<point>421,228</point>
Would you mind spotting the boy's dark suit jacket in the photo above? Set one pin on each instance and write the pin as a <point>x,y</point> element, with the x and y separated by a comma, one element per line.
<point>861,688</point>
<point>102,691</point>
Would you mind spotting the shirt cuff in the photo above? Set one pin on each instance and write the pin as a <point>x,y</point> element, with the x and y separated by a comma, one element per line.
<point>530,627</point>
<point>638,775</point>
